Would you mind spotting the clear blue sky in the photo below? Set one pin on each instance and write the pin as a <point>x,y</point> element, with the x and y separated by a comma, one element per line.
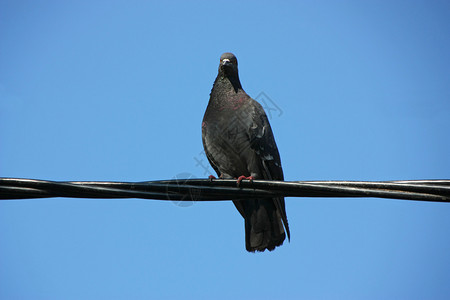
<point>116,90</point>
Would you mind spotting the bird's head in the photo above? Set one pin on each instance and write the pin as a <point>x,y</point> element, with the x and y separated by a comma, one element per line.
<point>228,64</point>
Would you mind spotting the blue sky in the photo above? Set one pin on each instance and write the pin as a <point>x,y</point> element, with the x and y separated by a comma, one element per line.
<point>116,90</point>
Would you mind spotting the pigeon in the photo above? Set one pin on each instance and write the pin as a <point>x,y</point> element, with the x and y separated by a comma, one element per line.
<point>239,144</point>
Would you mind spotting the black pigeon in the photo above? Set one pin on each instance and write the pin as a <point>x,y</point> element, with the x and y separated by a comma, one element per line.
<point>239,143</point>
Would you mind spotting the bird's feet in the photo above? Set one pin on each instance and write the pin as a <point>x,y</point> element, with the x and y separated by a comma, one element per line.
<point>211,177</point>
<point>240,178</point>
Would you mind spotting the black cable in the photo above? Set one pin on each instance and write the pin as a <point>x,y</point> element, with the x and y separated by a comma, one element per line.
<point>224,189</point>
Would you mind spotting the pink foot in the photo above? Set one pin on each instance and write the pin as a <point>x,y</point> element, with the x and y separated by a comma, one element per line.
<point>211,177</point>
<point>240,178</point>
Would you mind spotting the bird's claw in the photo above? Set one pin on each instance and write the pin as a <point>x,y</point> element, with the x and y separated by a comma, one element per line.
<point>211,177</point>
<point>240,178</point>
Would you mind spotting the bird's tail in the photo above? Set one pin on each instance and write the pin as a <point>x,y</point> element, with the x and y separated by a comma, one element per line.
<point>263,225</point>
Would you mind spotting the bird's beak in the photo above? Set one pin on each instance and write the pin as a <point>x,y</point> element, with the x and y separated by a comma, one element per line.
<point>226,62</point>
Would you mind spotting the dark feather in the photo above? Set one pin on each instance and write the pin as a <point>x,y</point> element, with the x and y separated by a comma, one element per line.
<point>238,140</point>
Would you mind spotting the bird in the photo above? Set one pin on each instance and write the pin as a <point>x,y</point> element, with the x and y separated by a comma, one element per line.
<point>239,144</point>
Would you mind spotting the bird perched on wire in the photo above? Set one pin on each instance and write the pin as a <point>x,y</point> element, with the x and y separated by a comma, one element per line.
<point>239,143</point>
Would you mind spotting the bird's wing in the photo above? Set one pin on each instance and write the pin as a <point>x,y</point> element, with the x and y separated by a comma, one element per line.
<point>263,143</point>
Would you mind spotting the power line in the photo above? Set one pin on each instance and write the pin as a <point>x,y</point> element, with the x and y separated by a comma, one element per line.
<point>224,189</point>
